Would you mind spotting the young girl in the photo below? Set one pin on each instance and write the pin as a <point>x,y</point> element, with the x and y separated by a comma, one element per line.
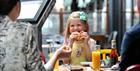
<point>77,37</point>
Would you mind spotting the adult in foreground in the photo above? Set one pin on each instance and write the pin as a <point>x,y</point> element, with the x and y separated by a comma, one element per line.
<point>130,48</point>
<point>18,44</point>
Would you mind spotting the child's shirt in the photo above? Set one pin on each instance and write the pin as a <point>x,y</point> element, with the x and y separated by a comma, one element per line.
<point>78,51</point>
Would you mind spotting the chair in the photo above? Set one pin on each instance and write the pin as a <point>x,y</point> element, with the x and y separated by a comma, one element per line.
<point>104,52</point>
<point>135,67</point>
<point>112,36</point>
<point>107,49</point>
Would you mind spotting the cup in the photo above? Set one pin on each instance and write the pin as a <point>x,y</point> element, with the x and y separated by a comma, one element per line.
<point>96,59</point>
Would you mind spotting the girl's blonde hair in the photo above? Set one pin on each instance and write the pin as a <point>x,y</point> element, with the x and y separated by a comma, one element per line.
<point>74,15</point>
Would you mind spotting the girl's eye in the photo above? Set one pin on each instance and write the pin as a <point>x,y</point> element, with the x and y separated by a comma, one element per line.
<point>79,25</point>
<point>71,25</point>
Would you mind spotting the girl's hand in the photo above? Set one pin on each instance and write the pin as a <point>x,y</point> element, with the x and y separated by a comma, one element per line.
<point>64,51</point>
<point>72,37</point>
<point>85,36</point>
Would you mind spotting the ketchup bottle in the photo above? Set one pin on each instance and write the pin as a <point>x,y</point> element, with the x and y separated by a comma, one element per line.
<point>113,54</point>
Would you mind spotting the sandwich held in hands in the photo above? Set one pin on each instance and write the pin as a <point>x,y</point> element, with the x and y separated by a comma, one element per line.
<point>79,36</point>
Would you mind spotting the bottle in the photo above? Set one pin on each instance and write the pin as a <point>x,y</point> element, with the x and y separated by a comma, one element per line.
<point>113,54</point>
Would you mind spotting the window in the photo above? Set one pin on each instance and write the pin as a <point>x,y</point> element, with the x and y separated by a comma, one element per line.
<point>131,11</point>
<point>33,10</point>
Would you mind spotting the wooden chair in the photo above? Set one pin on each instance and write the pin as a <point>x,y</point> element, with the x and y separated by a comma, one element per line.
<point>135,67</point>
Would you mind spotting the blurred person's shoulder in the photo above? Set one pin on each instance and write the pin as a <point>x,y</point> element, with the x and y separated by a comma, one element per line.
<point>21,24</point>
<point>134,30</point>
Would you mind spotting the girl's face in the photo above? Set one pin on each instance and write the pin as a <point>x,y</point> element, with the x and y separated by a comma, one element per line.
<point>76,25</point>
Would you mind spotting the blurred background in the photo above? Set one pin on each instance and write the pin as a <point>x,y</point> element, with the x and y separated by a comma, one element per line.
<point>104,16</point>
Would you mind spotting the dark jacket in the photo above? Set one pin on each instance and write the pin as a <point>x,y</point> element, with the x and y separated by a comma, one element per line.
<point>130,48</point>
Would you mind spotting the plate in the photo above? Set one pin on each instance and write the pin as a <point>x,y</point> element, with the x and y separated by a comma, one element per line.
<point>86,63</point>
<point>76,68</point>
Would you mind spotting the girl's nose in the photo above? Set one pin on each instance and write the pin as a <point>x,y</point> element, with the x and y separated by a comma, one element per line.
<point>75,28</point>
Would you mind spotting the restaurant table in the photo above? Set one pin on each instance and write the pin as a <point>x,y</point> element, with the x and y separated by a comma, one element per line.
<point>81,68</point>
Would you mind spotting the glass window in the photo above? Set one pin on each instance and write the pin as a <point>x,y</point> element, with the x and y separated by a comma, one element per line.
<point>51,25</point>
<point>136,13</point>
<point>32,10</point>
<point>99,24</point>
<point>29,8</point>
<point>132,16</point>
<point>95,9</point>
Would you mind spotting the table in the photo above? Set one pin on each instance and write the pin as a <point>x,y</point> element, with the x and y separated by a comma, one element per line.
<point>81,68</point>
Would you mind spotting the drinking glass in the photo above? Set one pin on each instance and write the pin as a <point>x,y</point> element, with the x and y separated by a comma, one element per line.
<point>96,58</point>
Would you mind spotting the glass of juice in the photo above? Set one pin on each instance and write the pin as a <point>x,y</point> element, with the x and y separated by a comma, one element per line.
<point>96,59</point>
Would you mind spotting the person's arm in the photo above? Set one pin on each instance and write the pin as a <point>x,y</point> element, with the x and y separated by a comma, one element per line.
<point>33,61</point>
<point>60,53</point>
<point>125,52</point>
<point>88,52</point>
<point>69,43</point>
<point>50,64</point>
<point>89,48</point>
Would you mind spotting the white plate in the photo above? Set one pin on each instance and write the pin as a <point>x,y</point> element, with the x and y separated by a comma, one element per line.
<point>86,63</point>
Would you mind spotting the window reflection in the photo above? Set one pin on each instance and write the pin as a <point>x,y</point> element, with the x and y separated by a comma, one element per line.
<point>29,8</point>
<point>51,25</point>
<point>131,19</point>
<point>96,11</point>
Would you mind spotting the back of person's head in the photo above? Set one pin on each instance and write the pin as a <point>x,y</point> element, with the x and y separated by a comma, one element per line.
<point>6,6</point>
